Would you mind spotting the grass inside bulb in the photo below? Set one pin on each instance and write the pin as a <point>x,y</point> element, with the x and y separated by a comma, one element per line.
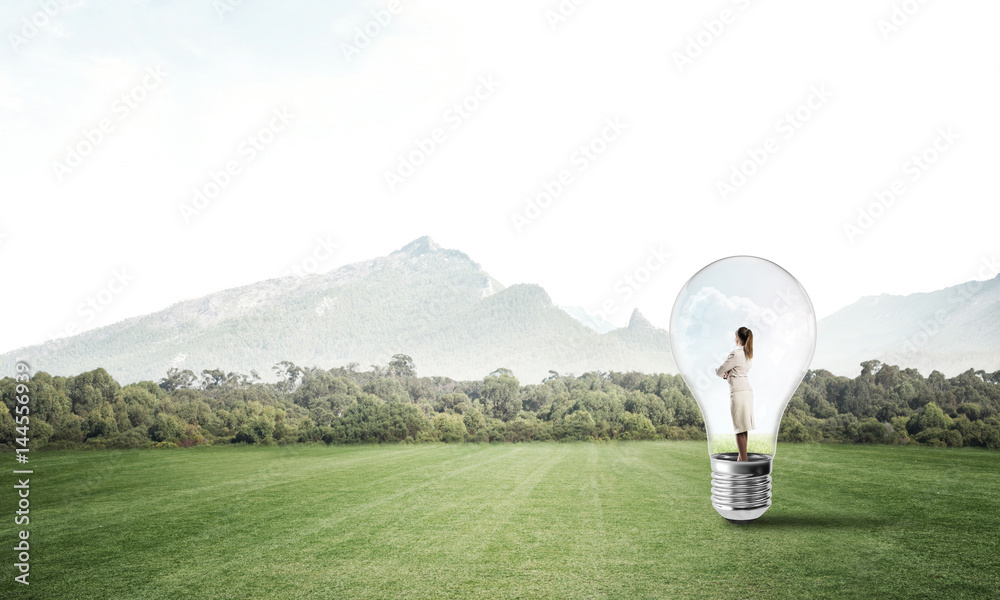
<point>734,292</point>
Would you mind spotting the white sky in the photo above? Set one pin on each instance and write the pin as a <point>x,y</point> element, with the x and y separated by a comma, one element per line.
<point>323,175</point>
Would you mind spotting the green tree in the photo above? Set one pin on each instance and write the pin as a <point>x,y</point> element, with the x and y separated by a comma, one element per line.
<point>402,365</point>
<point>49,400</point>
<point>177,379</point>
<point>89,390</point>
<point>602,406</point>
<point>257,429</point>
<point>527,429</point>
<point>501,395</point>
<point>165,427</point>
<point>475,423</point>
<point>576,426</point>
<point>449,428</point>
<point>636,427</point>
<point>454,401</point>
<point>791,430</point>
<point>288,374</point>
<point>867,431</point>
<point>140,405</point>
<point>390,390</point>
<point>8,428</point>
<point>101,421</point>
<point>931,417</point>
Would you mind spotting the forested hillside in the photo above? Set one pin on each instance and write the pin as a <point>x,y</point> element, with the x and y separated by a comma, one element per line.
<point>884,404</point>
<point>436,304</point>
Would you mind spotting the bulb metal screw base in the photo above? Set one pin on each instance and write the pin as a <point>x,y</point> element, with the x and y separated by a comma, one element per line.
<point>741,490</point>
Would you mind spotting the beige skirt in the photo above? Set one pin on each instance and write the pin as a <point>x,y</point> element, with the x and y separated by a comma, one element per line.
<point>741,406</point>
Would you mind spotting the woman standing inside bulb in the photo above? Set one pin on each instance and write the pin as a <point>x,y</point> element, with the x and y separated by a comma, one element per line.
<point>735,371</point>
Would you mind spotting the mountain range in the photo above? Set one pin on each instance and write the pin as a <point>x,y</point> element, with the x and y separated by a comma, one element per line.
<point>452,318</point>
<point>950,330</point>
<point>434,304</point>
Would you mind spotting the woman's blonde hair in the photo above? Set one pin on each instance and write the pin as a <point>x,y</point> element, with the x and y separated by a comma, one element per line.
<point>746,336</point>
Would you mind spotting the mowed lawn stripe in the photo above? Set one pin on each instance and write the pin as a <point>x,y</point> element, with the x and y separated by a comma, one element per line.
<point>156,507</point>
<point>287,527</point>
<point>467,516</point>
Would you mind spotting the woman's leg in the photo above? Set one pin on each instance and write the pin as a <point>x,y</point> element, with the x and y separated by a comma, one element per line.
<point>741,444</point>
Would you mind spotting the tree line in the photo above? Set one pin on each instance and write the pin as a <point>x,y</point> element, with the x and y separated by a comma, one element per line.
<point>391,403</point>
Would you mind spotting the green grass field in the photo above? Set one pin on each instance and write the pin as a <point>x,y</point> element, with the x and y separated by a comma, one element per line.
<point>577,520</point>
<point>756,442</point>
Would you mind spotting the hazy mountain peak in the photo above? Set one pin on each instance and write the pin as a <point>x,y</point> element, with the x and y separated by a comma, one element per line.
<point>419,246</point>
<point>637,322</point>
<point>596,323</point>
<point>530,293</point>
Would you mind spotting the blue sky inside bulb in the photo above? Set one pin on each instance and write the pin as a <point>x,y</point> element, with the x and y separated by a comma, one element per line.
<point>723,296</point>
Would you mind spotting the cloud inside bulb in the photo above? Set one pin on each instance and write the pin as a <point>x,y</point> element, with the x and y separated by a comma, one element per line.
<point>710,309</point>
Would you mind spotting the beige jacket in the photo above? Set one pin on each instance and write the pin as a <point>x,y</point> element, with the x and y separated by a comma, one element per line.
<point>737,365</point>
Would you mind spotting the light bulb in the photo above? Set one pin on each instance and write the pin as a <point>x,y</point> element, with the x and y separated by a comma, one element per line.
<point>734,292</point>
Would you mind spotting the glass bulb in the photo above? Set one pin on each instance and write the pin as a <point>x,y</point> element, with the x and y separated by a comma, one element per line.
<point>734,292</point>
